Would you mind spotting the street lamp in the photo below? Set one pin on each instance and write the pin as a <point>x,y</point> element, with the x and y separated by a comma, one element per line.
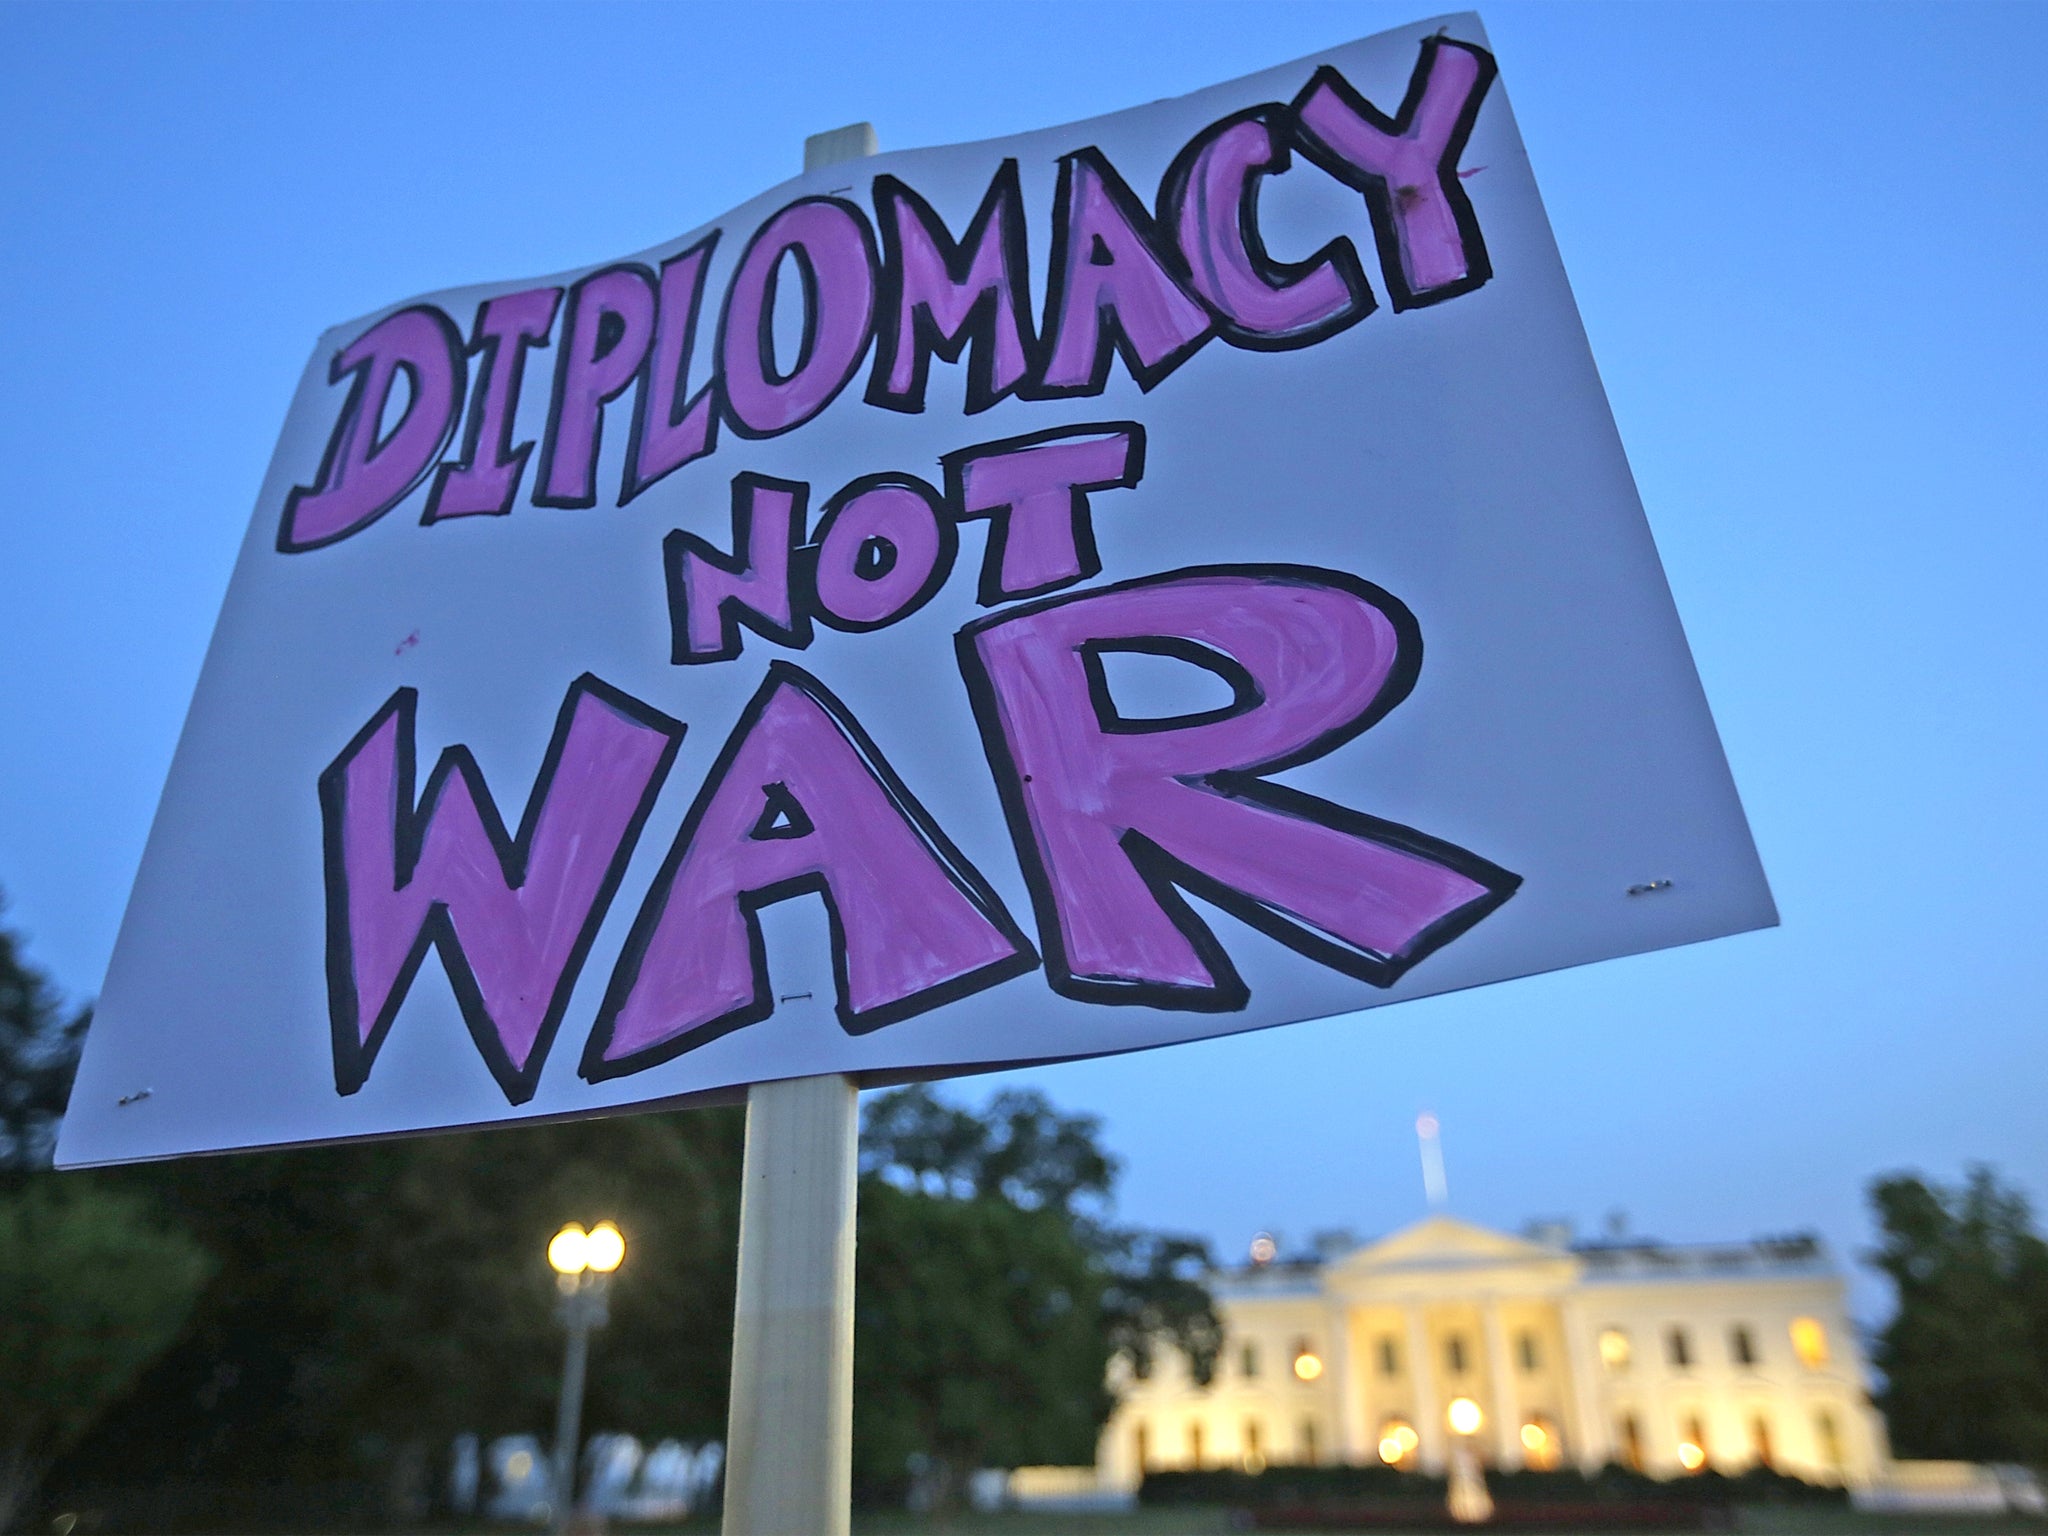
<point>583,1263</point>
<point>1467,1498</point>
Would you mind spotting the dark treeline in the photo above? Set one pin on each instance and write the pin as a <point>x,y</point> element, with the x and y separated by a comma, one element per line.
<point>304,1332</point>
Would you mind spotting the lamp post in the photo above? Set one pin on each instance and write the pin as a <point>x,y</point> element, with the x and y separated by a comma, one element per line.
<point>583,1263</point>
<point>1468,1500</point>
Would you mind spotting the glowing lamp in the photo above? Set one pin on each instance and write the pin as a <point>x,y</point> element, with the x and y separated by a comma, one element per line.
<point>605,1248</point>
<point>1465,1416</point>
<point>569,1250</point>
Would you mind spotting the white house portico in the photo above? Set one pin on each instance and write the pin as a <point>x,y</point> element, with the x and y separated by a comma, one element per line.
<point>1672,1359</point>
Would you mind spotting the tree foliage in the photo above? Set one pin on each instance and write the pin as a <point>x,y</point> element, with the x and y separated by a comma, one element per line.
<point>993,1290</point>
<point>1965,1358</point>
<point>38,1055</point>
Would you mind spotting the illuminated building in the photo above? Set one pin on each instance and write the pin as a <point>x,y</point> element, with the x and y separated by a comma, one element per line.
<point>1674,1359</point>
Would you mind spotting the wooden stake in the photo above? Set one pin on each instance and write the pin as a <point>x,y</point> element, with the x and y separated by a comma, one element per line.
<point>789,1434</point>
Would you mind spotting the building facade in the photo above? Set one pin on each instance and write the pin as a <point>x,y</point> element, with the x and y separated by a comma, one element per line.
<point>1670,1359</point>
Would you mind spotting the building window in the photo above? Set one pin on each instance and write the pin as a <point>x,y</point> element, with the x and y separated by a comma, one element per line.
<point>1614,1349</point>
<point>1254,1449</point>
<point>1390,1356</point>
<point>1141,1446</point>
<point>1809,1342</point>
<point>1195,1444</point>
<point>1692,1449</point>
<point>1398,1443</point>
<point>1830,1441</point>
<point>1248,1361</point>
<point>1454,1354</point>
<point>1532,1358</point>
<point>1678,1344</point>
<point>1760,1442</point>
<point>1308,1442</point>
<point>1742,1344</point>
<point>1631,1442</point>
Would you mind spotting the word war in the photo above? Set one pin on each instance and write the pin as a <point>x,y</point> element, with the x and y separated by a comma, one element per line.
<point>1110,816</point>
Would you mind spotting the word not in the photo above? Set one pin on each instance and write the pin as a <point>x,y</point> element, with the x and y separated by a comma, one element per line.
<point>1148,286</point>
<point>885,543</point>
<point>1112,816</point>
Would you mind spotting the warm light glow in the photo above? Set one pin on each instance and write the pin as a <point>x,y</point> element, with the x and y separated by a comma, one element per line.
<point>605,1249</point>
<point>1264,1249</point>
<point>1308,1366</point>
<point>1535,1437</point>
<point>1614,1348</point>
<point>569,1252</point>
<point>1809,1342</point>
<point>1690,1456</point>
<point>1397,1442</point>
<point>1465,1416</point>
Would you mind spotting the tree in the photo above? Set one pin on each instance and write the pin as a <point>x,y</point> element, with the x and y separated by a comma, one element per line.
<point>1965,1358</point>
<point>94,1290</point>
<point>38,1056</point>
<point>992,1290</point>
<point>370,1302</point>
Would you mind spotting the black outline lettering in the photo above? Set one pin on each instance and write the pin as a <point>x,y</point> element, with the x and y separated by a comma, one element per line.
<point>1002,207</point>
<point>571,336</point>
<point>1110,337</point>
<point>1379,197</point>
<point>734,610</point>
<point>1162,873</point>
<point>664,383</point>
<point>354,1056</point>
<point>764,339</point>
<point>1338,254</point>
<point>486,346</point>
<point>345,427</point>
<point>990,590</point>
<point>1245,693</point>
<point>964,876</point>
<point>806,595</point>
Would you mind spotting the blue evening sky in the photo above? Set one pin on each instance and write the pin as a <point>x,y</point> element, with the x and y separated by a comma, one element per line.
<point>1806,240</point>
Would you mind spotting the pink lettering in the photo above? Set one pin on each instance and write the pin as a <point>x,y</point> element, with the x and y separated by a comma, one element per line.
<point>512,916</point>
<point>1034,491</point>
<point>364,475</point>
<point>487,479</point>
<point>828,243</point>
<point>610,324</point>
<point>1407,167</point>
<point>1111,813</point>
<point>800,800</point>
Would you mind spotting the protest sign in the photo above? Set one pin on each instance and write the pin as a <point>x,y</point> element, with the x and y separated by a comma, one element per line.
<point>1147,579</point>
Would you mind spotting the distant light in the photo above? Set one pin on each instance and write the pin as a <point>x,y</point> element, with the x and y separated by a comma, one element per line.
<point>1465,1416</point>
<point>1308,1365</point>
<point>518,1466</point>
<point>606,1248</point>
<point>1390,1450</point>
<point>1535,1436</point>
<point>1690,1456</point>
<point>569,1252</point>
<point>1406,1438</point>
<point>1425,1124</point>
<point>1614,1350</point>
<point>1264,1249</point>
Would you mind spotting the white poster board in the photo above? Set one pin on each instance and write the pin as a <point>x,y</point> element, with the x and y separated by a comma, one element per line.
<point>1157,577</point>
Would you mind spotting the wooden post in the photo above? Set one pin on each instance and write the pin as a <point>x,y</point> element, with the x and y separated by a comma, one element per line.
<point>789,1434</point>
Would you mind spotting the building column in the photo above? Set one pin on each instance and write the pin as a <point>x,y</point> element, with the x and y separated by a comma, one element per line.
<point>1592,1434</point>
<point>1504,1409</point>
<point>1429,1414</point>
<point>1344,1375</point>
